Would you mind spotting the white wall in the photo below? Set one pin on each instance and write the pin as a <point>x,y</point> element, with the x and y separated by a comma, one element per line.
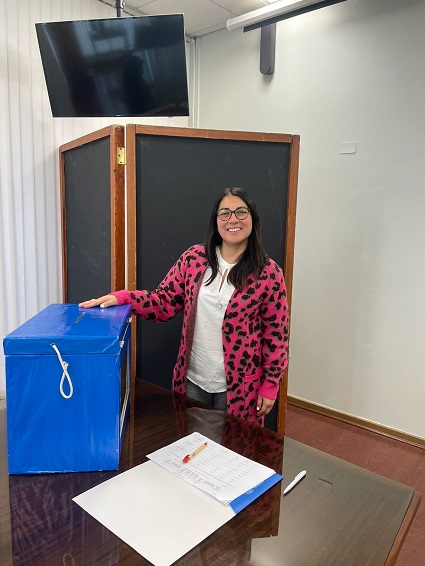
<point>30,237</point>
<point>350,72</point>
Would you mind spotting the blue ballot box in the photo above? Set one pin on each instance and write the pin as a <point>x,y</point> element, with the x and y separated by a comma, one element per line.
<point>67,389</point>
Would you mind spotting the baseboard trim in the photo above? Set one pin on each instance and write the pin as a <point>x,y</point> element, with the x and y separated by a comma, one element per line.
<point>358,421</point>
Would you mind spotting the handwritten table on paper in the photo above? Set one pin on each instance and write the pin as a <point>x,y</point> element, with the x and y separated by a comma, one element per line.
<point>218,471</point>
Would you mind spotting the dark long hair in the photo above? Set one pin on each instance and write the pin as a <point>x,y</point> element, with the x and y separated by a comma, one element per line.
<point>254,257</point>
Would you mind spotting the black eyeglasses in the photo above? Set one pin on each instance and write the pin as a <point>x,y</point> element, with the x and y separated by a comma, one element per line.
<point>225,213</point>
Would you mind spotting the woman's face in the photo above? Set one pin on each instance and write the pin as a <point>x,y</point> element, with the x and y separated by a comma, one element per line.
<point>234,231</point>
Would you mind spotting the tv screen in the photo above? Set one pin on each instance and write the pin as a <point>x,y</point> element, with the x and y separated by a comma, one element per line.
<point>115,67</point>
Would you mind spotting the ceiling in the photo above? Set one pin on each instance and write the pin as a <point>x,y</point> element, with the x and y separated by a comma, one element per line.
<point>200,16</point>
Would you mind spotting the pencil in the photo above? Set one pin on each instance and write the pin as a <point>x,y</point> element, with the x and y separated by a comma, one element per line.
<point>190,456</point>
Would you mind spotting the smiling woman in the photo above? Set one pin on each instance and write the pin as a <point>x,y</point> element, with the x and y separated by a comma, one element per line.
<point>233,347</point>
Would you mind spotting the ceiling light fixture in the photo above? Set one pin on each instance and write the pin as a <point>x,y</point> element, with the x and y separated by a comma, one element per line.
<point>276,12</point>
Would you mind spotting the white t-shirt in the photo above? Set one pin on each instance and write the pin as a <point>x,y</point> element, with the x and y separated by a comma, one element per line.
<point>206,365</point>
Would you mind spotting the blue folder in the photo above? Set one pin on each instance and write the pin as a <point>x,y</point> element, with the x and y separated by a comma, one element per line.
<point>246,498</point>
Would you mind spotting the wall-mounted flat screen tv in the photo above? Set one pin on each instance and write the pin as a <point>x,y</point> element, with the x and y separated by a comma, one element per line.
<point>115,67</point>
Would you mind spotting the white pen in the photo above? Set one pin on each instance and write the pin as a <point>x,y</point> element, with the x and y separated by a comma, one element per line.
<point>294,482</point>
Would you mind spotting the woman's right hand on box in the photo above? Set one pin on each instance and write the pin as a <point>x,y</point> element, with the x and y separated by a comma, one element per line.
<point>102,302</point>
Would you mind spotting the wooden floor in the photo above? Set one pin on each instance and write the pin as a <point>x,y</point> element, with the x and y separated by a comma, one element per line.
<point>385,456</point>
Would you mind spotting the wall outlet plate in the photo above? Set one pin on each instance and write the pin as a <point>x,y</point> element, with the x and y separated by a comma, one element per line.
<point>348,147</point>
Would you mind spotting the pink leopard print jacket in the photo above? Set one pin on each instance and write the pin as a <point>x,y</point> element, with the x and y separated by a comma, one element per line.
<point>255,328</point>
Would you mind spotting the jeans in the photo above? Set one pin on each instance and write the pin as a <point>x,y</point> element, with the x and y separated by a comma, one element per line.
<point>215,400</point>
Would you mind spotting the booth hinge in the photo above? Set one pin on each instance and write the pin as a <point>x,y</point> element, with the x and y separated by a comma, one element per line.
<point>121,156</point>
<point>122,343</point>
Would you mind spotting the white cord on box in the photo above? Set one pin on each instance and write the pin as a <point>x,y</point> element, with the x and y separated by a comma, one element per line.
<point>64,374</point>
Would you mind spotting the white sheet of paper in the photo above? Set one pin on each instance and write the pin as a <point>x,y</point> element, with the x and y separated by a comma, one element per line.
<point>220,472</point>
<point>154,512</point>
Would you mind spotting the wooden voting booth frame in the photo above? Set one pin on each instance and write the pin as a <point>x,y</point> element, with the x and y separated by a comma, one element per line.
<point>174,176</point>
<point>92,186</point>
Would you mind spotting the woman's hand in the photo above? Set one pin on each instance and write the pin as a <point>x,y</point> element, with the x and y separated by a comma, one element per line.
<point>264,406</point>
<point>102,302</point>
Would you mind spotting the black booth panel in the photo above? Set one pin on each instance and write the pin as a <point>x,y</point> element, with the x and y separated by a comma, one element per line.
<point>177,182</point>
<point>87,235</point>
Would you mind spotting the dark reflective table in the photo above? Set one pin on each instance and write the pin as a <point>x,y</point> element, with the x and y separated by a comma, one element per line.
<point>338,514</point>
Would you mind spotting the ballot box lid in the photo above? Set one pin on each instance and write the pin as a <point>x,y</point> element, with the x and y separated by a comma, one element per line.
<point>72,329</point>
